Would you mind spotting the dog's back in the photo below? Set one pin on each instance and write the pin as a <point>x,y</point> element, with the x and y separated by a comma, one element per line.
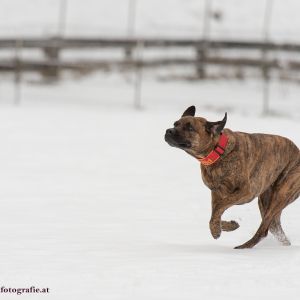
<point>266,156</point>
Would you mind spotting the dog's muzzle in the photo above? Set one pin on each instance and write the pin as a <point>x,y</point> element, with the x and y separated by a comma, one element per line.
<point>173,138</point>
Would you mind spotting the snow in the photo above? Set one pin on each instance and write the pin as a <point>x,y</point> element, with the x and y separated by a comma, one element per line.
<point>181,18</point>
<point>94,204</point>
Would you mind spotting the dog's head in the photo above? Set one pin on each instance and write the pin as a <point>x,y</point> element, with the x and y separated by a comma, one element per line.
<point>194,135</point>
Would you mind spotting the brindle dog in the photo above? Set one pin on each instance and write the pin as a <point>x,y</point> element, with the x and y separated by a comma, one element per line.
<point>253,165</point>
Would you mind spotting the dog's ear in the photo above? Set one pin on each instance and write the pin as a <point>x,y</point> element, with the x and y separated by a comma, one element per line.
<point>216,127</point>
<point>189,111</point>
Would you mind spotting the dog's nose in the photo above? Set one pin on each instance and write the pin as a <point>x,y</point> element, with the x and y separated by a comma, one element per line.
<point>170,131</point>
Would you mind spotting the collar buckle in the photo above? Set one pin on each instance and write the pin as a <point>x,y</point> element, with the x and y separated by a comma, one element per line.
<point>218,151</point>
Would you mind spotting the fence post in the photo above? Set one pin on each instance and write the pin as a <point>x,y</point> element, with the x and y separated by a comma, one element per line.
<point>131,18</point>
<point>62,18</point>
<point>265,64</point>
<point>138,61</point>
<point>202,48</point>
<point>52,56</point>
<point>18,72</point>
<point>138,75</point>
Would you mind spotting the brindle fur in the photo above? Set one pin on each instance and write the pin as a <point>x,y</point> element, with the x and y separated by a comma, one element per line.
<point>253,165</point>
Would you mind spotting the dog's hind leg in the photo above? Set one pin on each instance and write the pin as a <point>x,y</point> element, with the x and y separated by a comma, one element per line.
<point>292,186</point>
<point>277,231</point>
<point>264,201</point>
<point>284,192</point>
<point>275,227</point>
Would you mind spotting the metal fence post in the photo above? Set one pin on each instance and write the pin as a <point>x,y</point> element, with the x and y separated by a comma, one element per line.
<point>265,64</point>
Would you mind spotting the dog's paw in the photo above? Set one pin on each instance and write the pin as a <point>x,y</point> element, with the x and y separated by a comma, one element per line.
<point>229,226</point>
<point>244,246</point>
<point>215,229</point>
<point>250,244</point>
<point>216,235</point>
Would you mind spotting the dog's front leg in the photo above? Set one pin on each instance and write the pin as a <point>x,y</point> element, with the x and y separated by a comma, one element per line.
<point>229,225</point>
<point>215,222</point>
<point>220,204</point>
<point>218,208</point>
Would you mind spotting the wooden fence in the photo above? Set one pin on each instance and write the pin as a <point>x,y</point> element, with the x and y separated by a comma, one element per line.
<point>261,55</point>
<point>206,53</point>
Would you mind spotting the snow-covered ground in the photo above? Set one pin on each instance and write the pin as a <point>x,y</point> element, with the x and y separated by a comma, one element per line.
<point>95,205</point>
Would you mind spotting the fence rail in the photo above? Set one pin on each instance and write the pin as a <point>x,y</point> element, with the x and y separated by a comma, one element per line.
<point>206,53</point>
<point>33,65</point>
<point>260,55</point>
<point>78,43</point>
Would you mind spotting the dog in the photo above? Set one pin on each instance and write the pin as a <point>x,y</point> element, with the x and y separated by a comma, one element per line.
<point>238,167</point>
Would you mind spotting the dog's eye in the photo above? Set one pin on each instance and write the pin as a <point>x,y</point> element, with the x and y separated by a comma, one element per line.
<point>189,127</point>
<point>176,124</point>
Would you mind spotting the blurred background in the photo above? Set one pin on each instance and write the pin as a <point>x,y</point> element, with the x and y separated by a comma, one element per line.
<point>150,46</point>
<point>93,202</point>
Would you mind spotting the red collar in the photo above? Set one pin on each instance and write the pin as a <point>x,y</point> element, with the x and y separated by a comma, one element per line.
<point>215,154</point>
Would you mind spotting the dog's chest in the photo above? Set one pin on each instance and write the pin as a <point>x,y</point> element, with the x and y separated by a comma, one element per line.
<point>219,179</point>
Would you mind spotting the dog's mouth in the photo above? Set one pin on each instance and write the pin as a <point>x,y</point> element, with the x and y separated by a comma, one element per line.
<point>178,144</point>
<point>184,145</point>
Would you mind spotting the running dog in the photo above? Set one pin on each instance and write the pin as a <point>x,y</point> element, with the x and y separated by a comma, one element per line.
<point>238,167</point>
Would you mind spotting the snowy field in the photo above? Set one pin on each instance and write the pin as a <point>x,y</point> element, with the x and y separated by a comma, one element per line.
<point>95,205</point>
